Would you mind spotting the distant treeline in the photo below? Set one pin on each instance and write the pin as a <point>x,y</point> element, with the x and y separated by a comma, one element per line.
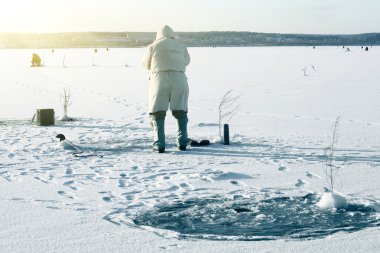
<point>192,39</point>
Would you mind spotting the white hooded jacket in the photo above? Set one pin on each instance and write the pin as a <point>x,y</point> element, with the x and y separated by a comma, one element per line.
<point>167,58</point>
<point>166,53</point>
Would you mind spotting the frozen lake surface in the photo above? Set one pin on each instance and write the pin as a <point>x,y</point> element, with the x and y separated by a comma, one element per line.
<point>257,194</point>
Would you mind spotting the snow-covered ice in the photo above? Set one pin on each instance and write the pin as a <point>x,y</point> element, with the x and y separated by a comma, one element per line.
<point>51,201</point>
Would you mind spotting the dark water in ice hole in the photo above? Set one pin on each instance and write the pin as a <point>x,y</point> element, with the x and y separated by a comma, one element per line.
<point>243,219</point>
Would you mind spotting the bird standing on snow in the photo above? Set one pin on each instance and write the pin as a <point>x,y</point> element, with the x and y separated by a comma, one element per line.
<point>67,144</point>
<point>70,146</point>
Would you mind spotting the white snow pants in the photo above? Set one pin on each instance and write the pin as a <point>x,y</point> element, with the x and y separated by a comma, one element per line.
<point>169,87</point>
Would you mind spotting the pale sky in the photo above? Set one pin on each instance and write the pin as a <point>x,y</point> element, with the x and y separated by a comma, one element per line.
<point>279,16</point>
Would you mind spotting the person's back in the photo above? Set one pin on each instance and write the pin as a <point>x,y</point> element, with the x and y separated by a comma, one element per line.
<point>166,53</point>
<point>167,59</point>
<point>36,60</point>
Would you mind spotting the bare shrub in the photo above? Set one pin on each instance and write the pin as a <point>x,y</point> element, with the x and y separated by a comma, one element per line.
<point>66,102</point>
<point>330,168</point>
<point>228,108</point>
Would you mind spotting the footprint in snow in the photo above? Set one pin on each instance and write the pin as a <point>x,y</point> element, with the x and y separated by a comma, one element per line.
<point>109,196</point>
<point>237,183</point>
<point>69,171</point>
<point>42,179</point>
<point>9,177</point>
<point>312,175</point>
<point>18,199</point>
<point>107,199</point>
<point>123,182</point>
<point>72,184</point>
<point>300,183</point>
<point>172,188</point>
<point>130,197</point>
<point>170,247</point>
<point>186,186</point>
<point>67,194</point>
<point>53,207</point>
<point>282,169</point>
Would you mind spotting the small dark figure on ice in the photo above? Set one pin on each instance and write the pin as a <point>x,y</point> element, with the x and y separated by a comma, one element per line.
<point>36,60</point>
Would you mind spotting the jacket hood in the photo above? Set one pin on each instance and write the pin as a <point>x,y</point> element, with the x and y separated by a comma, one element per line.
<point>165,32</point>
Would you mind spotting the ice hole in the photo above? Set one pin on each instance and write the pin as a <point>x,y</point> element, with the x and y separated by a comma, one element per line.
<point>247,219</point>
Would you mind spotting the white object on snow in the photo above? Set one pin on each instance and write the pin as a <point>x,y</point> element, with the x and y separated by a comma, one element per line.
<point>66,118</point>
<point>65,144</point>
<point>331,200</point>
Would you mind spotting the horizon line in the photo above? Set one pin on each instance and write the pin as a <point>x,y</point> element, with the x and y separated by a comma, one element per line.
<point>221,31</point>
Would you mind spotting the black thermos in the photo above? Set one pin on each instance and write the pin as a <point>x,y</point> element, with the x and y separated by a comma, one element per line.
<point>226,135</point>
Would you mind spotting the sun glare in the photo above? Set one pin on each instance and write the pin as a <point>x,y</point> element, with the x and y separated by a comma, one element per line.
<point>30,16</point>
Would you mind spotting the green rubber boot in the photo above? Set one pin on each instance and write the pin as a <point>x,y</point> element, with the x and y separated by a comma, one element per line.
<point>182,120</point>
<point>157,121</point>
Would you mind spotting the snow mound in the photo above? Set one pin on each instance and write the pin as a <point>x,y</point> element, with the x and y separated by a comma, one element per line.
<point>66,118</point>
<point>232,175</point>
<point>332,200</point>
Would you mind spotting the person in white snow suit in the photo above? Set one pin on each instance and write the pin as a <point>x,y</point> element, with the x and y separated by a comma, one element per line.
<point>167,58</point>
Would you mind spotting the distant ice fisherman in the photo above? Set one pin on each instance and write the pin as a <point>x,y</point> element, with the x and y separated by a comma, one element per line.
<point>36,60</point>
<point>167,58</point>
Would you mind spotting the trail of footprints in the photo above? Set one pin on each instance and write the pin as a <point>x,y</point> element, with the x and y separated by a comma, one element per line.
<point>124,184</point>
<point>300,183</point>
<point>140,185</point>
